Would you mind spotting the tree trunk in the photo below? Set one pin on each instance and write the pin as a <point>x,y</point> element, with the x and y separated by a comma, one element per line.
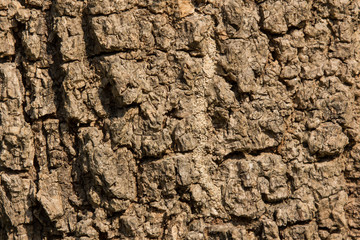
<point>179,119</point>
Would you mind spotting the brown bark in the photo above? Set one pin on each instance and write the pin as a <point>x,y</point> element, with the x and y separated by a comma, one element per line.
<point>186,119</point>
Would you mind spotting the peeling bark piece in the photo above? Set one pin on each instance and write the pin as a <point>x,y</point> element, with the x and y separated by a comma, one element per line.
<point>270,230</point>
<point>41,102</point>
<point>309,231</point>
<point>15,198</point>
<point>155,144</point>
<point>273,14</point>
<point>32,45</point>
<point>109,6</point>
<point>49,195</point>
<point>7,44</point>
<point>327,140</point>
<point>124,31</point>
<point>55,151</point>
<point>183,138</point>
<point>75,96</point>
<point>113,171</point>
<point>69,7</point>
<point>126,77</point>
<point>298,211</point>
<point>16,151</point>
<point>241,202</point>
<point>70,32</point>
<point>297,12</point>
<point>185,8</point>
<point>34,38</point>
<point>157,180</point>
<point>241,19</point>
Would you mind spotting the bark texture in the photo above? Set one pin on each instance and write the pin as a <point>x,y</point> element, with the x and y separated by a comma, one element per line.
<point>179,119</point>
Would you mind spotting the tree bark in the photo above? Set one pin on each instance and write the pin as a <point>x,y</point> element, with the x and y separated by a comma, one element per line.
<point>179,119</point>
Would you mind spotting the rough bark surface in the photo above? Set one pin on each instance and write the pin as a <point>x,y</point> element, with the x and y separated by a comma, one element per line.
<point>179,119</point>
